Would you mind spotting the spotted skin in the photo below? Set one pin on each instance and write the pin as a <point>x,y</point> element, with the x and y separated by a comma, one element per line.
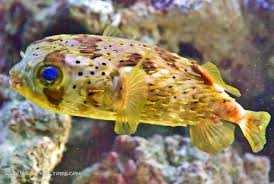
<point>89,64</point>
<point>179,92</point>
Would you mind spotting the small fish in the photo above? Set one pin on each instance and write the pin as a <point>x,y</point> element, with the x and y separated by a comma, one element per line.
<point>112,78</point>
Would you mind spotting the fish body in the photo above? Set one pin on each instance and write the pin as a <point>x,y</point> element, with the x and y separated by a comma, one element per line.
<point>110,78</point>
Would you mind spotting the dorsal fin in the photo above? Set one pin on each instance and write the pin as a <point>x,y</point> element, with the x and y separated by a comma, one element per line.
<point>216,77</point>
<point>114,31</point>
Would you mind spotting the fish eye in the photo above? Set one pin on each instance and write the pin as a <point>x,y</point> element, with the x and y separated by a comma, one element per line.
<point>49,74</point>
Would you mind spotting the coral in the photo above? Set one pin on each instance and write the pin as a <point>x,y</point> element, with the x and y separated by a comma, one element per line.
<point>162,5</point>
<point>32,140</point>
<point>237,35</point>
<point>173,159</point>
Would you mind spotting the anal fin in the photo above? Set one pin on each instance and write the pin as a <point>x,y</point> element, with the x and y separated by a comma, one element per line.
<point>211,137</point>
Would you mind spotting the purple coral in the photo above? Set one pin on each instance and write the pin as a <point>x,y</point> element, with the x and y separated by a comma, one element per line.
<point>161,4</point>
<point>264,4</point>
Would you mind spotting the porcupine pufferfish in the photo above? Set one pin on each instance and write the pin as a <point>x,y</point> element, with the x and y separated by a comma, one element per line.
<point>112,78</point>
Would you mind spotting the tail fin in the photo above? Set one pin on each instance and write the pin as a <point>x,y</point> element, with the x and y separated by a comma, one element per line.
<point>253,126</point>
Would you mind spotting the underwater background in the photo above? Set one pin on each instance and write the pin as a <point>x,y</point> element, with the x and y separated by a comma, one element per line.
<point>38,146</point>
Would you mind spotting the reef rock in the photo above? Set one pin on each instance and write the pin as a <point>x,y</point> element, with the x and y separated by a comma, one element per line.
<point>32,140</point>
<point>208,30</point>
<point>173,160</point>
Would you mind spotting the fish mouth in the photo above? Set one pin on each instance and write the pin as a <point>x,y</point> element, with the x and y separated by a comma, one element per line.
<point>15,82</point>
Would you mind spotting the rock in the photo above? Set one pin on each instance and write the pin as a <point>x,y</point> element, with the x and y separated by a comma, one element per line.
<point>173,160</point>
<point>257,168</point>
<point>235,35</point>
<point>209,30</point>
<point>88,141</point>
<point>32,140</point>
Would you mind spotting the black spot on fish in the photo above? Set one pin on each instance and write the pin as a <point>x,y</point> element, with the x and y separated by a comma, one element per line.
<point>104,64</point>
<point>77,62</point>
<point>92,73</point>
<point>74,86</point>
<point>103,73</point>
<point>80,73</point>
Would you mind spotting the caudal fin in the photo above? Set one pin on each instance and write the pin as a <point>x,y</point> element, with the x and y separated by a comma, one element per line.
<point>253,126</point>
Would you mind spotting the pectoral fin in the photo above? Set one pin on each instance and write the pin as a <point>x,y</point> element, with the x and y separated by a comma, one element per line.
<point>211,137</point>
<point>133,95</point>
<point>216,76</point>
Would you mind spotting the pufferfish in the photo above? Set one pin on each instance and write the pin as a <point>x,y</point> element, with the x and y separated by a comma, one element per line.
<point>127,81</point>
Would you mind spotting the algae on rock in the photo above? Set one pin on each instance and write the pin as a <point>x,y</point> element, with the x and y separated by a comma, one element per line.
<point>32,139</point>
<point>173,160</point>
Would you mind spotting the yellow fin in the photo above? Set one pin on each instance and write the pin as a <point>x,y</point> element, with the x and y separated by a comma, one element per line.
<point>133,98</point>
<point>113,31</point>
<point>211,137</point>
<point>253,126</point>
<point>216,75</point>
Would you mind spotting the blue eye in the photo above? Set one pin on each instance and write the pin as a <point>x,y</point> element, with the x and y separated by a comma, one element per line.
<point>50,73</point>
